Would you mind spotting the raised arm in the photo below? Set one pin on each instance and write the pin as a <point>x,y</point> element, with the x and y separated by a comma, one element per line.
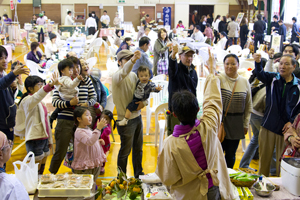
<point>263,76</point>
<point>69,83</point>
<point>173,65</point>
<point>248,107</point>
<point>158,48</point>
<point>212,102</point>
<point>123,72</point>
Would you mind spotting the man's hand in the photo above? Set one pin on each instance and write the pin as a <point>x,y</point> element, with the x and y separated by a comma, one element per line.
<point>140,106</point>
<point>50,146</point>
<point>20,69</point>
<point>257,57</point>
<point>175,51</point>
<point>159,88</point>
<point>136,55</point>
<point>74,101</point>
<point>245,131</point>
<point>286,127</point>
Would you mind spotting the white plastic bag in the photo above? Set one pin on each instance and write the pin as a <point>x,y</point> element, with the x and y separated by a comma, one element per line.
<point>28,173</point>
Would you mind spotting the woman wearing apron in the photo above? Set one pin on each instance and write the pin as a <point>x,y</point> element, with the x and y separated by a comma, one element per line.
<point>41,29</point>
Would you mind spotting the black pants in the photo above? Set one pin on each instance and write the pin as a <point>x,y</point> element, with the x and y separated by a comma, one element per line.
<point>131,137</point>
<point>294,39</point>
<point>43,36</point>
<point>91,30</point>
<point>232,39</point>
<point>258,37</point>
<point>104,25</point>
<point>217,36</point>
<point>243,42</point>
<point>229,148</point>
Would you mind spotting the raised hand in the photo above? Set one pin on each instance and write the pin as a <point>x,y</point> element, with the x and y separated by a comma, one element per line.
<point>257,57</point>
<point>175,51</point>
<point>136,55</point>
<point>54,80</point>
<point>101,123</point>
<point>211,62</point>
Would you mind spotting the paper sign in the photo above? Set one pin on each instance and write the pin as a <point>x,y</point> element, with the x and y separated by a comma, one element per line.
<point>136,6</point>
<point>101,6</point>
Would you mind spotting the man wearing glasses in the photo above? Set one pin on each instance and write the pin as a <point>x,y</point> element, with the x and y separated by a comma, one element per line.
<point>11,187</point>
<point>182,76</point>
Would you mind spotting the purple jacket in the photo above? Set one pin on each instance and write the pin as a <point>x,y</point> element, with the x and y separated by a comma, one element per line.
<point>32,57</point>
<point>195,144</point>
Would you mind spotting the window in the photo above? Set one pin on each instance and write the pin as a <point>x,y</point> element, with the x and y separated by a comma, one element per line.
<point>292,9</point>
<point>121,13</point>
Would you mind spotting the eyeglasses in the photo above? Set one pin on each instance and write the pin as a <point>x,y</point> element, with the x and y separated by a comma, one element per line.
<point>10,145</point>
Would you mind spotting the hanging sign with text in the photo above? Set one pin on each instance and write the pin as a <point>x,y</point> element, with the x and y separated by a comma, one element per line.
<point>167,16</point>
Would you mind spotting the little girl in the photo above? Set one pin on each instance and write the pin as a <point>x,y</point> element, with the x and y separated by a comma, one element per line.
<point>88,153</point>
<point>106,131</point>
<point>38,134</point>
<point>125,44</point>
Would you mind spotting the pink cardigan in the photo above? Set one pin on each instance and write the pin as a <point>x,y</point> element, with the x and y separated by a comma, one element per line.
<point>88,153</point>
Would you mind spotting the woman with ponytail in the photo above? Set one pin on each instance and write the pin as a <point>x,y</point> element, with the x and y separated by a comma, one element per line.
<point>38,134</point>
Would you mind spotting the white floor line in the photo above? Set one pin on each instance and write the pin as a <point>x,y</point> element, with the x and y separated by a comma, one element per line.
<point>18,147</point>
<point>19,56</point>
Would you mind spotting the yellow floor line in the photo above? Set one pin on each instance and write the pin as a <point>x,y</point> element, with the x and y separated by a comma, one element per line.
<point>18,147</point>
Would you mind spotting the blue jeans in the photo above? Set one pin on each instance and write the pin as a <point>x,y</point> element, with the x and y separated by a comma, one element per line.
<point>255,122</point>
<point>131,136</point>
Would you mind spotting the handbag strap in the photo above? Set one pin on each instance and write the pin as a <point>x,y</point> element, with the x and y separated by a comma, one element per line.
<point>231,98</point>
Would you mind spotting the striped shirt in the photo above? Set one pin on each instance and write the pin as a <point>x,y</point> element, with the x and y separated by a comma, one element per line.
<point>86,94</point>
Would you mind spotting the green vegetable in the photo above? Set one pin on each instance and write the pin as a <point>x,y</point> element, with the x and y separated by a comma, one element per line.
<point>245,179</point>
<point>235,174</point>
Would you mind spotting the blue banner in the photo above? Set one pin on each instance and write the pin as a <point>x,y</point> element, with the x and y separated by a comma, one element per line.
<point>167,16</point>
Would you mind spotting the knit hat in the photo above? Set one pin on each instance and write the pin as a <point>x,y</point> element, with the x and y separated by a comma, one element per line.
<point>124,54</point>
<point>3,140</point>
<point>52,35</point>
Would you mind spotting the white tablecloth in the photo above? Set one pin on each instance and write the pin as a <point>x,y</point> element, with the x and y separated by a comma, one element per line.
<point>76,39</point>
<point>74,44</point>
<point>184,40</point>
<point>197,45</point>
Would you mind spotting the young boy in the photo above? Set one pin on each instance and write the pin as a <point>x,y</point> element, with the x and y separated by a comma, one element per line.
<point>142,92</point>
<point>68,90</point>
<point>192,161</point>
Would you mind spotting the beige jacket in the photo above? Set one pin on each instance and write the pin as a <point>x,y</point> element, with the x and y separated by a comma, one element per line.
<point>123,87</point>
<point>177,167</point>
<point>35,126</point>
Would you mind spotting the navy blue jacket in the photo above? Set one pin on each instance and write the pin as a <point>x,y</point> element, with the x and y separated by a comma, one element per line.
<point>8,107</point>
<point>282,99</point>
<point>180,78</point>
<point>282,31</point>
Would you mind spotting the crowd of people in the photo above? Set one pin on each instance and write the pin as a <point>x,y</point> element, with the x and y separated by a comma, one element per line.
<point>268,101</point>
